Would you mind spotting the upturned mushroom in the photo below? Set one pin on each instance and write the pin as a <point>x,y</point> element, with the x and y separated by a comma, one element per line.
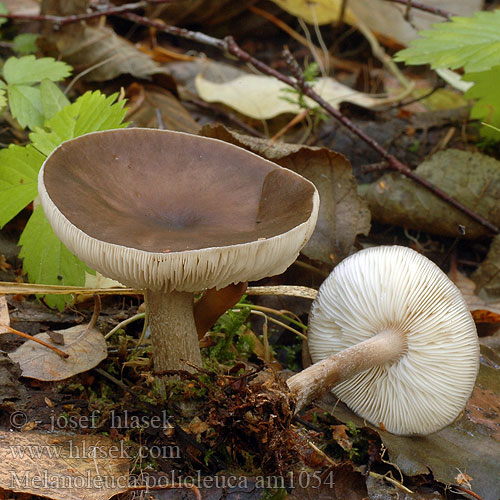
<point>175,214</point>
<point>394,338</point>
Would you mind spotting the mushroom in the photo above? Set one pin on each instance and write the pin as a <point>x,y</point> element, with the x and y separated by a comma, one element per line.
<point>395,339</point>
<point>174,214</point>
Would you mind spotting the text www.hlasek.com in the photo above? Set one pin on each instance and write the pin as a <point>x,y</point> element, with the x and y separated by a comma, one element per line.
<point>83,450</point>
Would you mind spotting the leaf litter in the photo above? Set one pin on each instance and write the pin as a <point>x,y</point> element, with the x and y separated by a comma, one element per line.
<point>345,218</point>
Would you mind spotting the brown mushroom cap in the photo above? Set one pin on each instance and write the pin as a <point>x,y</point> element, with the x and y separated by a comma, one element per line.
<point>168,210</point>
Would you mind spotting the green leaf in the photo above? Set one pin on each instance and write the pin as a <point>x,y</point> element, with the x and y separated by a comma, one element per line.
<point>28,70</point>
<point>47,260</point>
<point>3,99</point>
<point>26,105</point>
<point>19,168</point>
<point>469,42</point>
<point>3,10</point>
<point>91,112</point>
<point>487,105</point>
<point>53,98</point>
<point>25,43</point>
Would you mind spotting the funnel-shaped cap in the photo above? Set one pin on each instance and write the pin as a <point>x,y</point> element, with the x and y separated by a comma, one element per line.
<point>167,210</point>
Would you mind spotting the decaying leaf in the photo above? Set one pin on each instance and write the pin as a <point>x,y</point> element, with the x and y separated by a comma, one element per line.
<point>4,314</point>
<point>471,444</point>
<point>204,12</point>
<point>487,276</point>
<point>342,213</point>
<point>110,55</point>
<point>472,178</point>
<point>145,102</point>
<point>262,97</point>
<point>86,348</point>
<point>468,289</point>
<point>317,12</point>
<point>10,387</point>
<point>63,467</point>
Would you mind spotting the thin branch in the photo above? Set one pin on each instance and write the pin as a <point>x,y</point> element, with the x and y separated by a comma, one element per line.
<point>425,8</point>
<point>34,339</point>
<point>229,45</point>
<point>63,20</point>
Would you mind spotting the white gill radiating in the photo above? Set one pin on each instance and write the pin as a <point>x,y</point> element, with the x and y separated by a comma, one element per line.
<point>396,287</point>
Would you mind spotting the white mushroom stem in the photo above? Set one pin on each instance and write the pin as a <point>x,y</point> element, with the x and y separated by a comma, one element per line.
<point>319,378</point>
<point>173,330</point>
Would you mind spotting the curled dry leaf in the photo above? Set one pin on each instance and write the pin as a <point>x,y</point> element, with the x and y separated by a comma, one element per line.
<point>86,348</point>
<point>84,46</point>
<point>472,178</point>
<point>145,101</point>
<point>63,467</point>
<point>205,12</point>
<point>263,97</point>
<point>471,443</point>
<point>342,213</point>
<point>487,275</point>
<point>4,314</point>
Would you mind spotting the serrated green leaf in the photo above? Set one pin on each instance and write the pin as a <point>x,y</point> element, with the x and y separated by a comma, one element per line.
<point>28,70</point>
<point>26,105</point>
<point>25,43</point>
<point>469,42</point>
<point>19,168</point>
<point>53,98</point>
<point>3,10</point>
<point>487,105</point>
<point>47,260</point>
<point>91,112</point>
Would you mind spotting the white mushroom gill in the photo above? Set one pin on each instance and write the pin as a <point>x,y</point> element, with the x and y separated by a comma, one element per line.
<point>396,288</point>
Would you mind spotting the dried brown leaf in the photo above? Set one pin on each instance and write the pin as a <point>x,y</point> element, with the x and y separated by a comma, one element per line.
<point>145,102</point>
<point>342,213</point>
<point>100,47</point>
<point>472,178</point>
<point>86,348</point>
<point>63,467</point>
<point>4,314</point>
<point>487,276</point>
<point>471,443</point>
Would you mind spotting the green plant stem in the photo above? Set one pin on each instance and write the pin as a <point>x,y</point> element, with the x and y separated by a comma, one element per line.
<point>124,323</point>
<point>273,311</point>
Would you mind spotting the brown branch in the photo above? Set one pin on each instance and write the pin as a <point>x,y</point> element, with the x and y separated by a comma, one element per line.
<point>34,339</point>
<point>425,8</point>
<point>63,20</point>
<point>229,45</point>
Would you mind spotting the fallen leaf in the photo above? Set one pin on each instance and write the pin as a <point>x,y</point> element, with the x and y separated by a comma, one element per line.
<point>475,302</point>
<point>487,275</point>
<point>317,12</point>
<point>388,19</point>
<point>4,314</point>
<point>201,12</point>
<point>341,438</point>
<point>10,387</point>
<point>342,213</point>
<point>263,97</point>
<point>470,177</point>
<point>63,467</point>
<point>471,443</point>
<point>86,348</point>
<point>146,101</point>
<point>100,48</point>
